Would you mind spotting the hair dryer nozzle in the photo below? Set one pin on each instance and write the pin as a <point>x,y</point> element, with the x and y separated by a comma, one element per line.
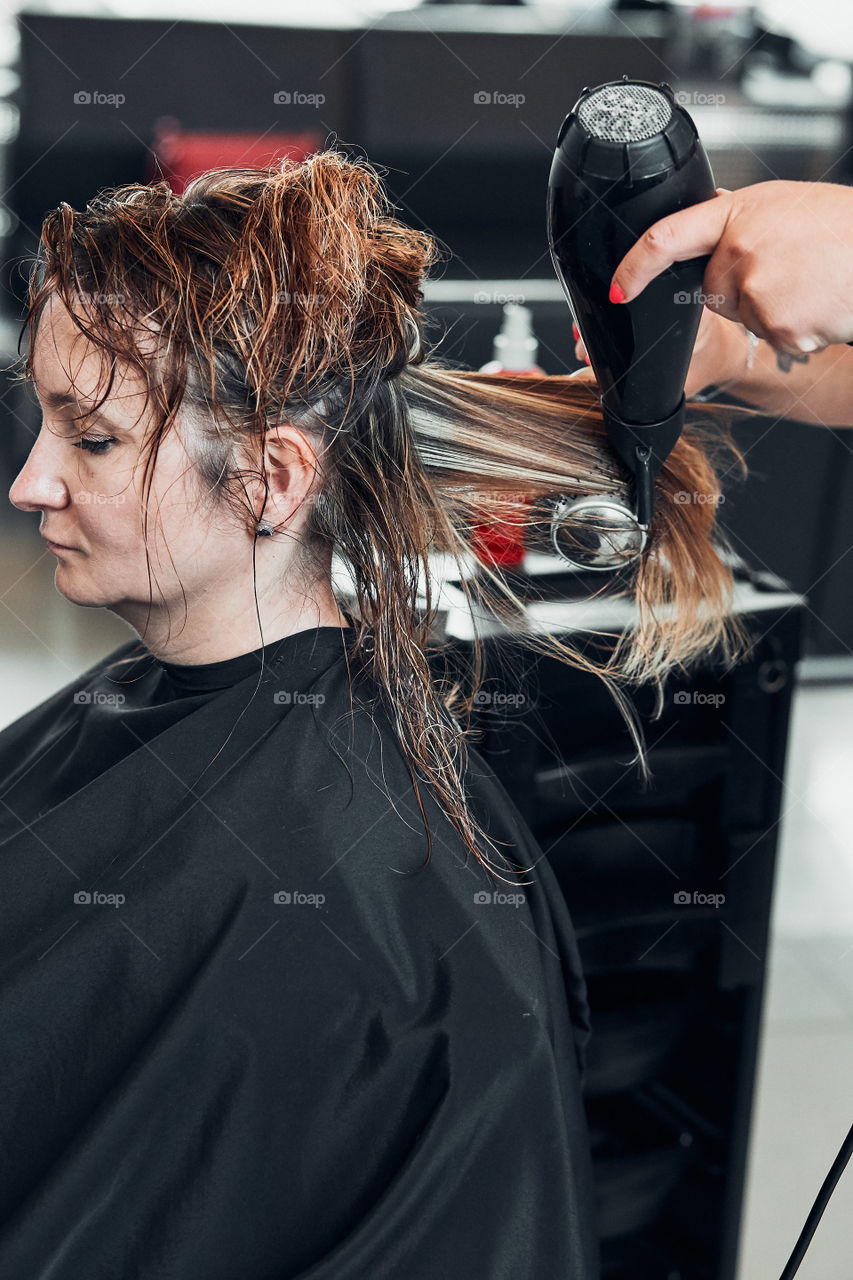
<point>644,447</point>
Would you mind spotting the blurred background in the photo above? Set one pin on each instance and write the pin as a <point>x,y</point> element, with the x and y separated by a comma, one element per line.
<point>459,105</point>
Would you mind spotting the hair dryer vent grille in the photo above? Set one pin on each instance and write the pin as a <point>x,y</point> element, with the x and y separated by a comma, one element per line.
<point>625,113</point>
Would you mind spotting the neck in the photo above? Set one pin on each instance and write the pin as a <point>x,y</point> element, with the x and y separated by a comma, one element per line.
<point>204,638</point>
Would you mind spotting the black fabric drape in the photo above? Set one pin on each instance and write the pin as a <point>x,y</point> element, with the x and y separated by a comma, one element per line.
<point>246,1032</point>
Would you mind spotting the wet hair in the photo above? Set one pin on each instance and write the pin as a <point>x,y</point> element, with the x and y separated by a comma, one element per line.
<point>293,293</point>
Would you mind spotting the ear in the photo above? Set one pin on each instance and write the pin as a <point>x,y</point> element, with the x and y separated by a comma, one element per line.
<point>292,471</point>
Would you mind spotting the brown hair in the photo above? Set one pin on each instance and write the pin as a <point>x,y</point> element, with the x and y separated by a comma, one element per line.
<point>293,293</point>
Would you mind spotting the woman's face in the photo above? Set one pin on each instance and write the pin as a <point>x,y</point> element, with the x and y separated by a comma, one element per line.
<point>90,496</point>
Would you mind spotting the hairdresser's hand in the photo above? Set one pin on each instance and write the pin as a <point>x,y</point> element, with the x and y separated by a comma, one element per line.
<point>781,260</point>
<point>715,353</point>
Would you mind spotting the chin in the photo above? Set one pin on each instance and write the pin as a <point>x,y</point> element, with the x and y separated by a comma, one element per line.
<point>87,599</point>
<point>83,601</point>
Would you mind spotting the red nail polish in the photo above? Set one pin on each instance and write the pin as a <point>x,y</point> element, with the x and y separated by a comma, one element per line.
<point>616,294</point>
<point>575,331</point>
<point>586,359</point>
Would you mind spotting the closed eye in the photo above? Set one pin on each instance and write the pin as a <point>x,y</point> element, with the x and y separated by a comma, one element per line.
<point>91,444</point>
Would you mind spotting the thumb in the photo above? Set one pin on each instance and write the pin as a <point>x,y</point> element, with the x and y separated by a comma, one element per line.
<point>688,233</point>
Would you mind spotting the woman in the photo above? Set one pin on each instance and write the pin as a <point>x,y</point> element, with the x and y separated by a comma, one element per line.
<point>269,1008</point>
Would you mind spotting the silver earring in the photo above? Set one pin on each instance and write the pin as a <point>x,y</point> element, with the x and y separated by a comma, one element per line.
<point>264,530</point>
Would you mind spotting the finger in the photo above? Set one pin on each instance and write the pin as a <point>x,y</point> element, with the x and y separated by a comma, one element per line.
<point>688,233</point>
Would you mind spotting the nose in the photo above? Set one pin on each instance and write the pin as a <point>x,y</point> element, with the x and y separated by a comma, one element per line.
<point>40,483</point>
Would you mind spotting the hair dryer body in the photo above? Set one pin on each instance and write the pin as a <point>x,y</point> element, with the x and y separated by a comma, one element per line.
<point>603,193</point>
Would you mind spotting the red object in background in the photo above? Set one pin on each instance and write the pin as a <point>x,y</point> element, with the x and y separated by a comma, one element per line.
<point>503,545</point>
<point>182,155</point>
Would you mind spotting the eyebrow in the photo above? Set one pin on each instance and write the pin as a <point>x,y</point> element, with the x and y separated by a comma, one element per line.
<point>62,399</point>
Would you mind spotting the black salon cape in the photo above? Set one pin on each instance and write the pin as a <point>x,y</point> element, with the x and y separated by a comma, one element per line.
<point>277,1054</point>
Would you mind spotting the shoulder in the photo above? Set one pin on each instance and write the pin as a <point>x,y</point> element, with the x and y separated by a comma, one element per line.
<point>421,895</point>
<point>66,700</point>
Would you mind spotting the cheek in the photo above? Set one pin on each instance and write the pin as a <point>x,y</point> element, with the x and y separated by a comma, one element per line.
<point>110,516</point>
<point>104,510</point>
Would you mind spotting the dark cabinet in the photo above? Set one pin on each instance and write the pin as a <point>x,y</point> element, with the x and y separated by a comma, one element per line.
<point>670,889</point>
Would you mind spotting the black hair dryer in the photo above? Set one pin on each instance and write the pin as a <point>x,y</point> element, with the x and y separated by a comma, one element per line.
<point>627,155</point>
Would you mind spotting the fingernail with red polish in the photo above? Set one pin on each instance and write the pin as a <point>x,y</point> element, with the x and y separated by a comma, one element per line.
<point>586,359</point>
<point>575,330</point>
<point>616,294</point>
